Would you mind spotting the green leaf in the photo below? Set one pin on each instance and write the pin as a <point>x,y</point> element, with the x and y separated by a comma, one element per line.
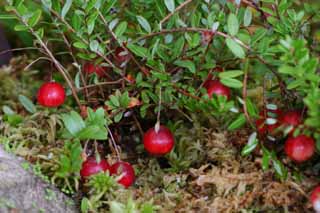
<point>121,28</point>
<point>35,18</point>
<point>230,74</point>
<point>280,169</point>
<point>239,122</point>
<point>20,27</point>
<point>170,5</point>
<point>73,122</point>
<point>231,82</point>
<point>116,207</point>
<point>94,45</point>
<point>80,45</point>
<point>110,4</point>
<point>76,21</point>
<point>47,4</point>
<point>93,133</point>
<point>247,17</point>
<point>235,48</point>
<point>114,100</point>
<point>7,110</point>
<point>144,23</point>
<point>178,47</point>
<point>186,64</point>
<point>66,8</point>
<point>265,158</point>
<point>7,16</point>
<point>233,24</point>
<point>118,117</point>
<point>251,145</point>
<point>27,104</point>
<point>85,205</point>
<point>138,50</point>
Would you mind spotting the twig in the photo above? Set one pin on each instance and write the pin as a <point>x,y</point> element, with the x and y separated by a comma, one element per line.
<point>66,41</point>
<point>120,43</point>
<point>138,125</point>
<point>192,29</point>
<point>35,61</point>
<point>185,93</point>
<point>114,144</point>
<point>175,11</point>
<point>70,28</point>
<point>101,84</point>
<point>244,94</point>
<point>19,49</point>
<point>159,105</point>
<point>57,64</point>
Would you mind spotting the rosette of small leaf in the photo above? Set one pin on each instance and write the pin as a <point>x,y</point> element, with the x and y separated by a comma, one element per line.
<point>102,188</point>
<point>66,167</point>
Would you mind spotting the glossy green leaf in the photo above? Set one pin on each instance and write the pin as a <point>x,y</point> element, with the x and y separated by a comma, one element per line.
<point>233,24</point>
<point>27,104</point>
<point>235,48</point>
<point>144,23</point>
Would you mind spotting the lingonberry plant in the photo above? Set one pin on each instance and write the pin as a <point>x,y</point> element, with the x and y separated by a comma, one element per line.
<point>151,62</point>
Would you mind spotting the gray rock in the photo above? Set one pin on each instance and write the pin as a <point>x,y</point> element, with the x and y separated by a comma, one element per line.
<point>22,191</point>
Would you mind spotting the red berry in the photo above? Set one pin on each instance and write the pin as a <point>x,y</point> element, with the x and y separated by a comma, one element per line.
<point>261,124</point>
<point>216,87</point>
<point>91,68</point>
<point>218,69</point>
<point>158,143</point>
<point>121,55</point>
<point>51,95</point>
<point>315,199</point>
<point>91,167</point>
<point>292,118</point>
<point>300,148</point>
<point>126,172</point>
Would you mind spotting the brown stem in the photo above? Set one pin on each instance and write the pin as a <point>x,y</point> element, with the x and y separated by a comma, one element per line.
<point>70,28</point>
<point>244,94</point>
<point>57,64</point>
<point>101,84</point>
<point>120,43</point>
<point>185,93</point>
<point>175,11</point>
<point>66,41</point>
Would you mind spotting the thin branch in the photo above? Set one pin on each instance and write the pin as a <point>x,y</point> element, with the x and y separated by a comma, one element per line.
<point>114,36</point>
<point>19,49</point>
<point>114,143</point>
<point>57,64</point>
<point>175,11</point>
<point>35,61</point>
<point>244,94</point>
<point>70,28</point>
<point>101,84</point>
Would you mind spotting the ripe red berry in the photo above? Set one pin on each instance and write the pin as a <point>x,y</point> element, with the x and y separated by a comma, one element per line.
<point>216,87</point>
<point>315,198</point>
<point>300,148</point>
<point>121,55</point>
<point>126,172</point>
<point>91,167</point>
<point>261,124</point>
<point>158,143</point>
<point>90,68</point>
<point>51,94</point>
<point>291,118</point>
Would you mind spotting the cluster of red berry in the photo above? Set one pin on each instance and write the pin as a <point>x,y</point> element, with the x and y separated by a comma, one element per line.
<point>159,142</point>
